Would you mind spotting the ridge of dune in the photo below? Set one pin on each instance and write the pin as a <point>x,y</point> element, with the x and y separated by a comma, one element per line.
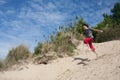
<point>83,66</point>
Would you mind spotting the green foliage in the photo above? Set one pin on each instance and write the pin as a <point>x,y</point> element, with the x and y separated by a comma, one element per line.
<point>107,22</point>
<point>116,13</point>
<point>16,54</point>
<point>38,49</point>
<point>79,25</point>
<point>111,20</point>
<point>110,25</point>
<point>109,34</point>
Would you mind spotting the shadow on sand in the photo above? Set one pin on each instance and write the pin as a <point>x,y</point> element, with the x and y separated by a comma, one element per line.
<point>82,60</point>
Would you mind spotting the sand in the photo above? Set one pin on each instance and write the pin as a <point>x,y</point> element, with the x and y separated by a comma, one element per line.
<point>84,66</point>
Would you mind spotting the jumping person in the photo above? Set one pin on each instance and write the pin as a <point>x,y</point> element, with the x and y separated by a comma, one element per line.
<point>89,36</point>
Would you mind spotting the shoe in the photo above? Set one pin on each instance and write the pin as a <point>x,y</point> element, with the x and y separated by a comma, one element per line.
<point>93,50</point>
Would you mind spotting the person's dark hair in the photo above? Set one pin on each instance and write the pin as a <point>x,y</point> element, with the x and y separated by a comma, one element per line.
<point>85,25</point>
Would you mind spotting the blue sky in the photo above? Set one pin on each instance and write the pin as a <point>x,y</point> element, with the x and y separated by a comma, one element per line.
<point>26,21</point>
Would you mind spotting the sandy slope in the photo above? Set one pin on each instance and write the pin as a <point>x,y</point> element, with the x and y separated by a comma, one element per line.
<point>106,67</point>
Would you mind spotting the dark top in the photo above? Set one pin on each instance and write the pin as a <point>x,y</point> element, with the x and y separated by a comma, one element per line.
<point>88,33</point>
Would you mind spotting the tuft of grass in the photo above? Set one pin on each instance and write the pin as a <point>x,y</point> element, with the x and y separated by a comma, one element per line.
<point>19,53</point>
<point>63,44</point>
<point>38,49</point>
<point>1,65</point>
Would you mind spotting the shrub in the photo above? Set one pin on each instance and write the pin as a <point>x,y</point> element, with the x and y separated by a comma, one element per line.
<point>1,65</point>
<point>38,49</point>
<point>16,54</point>
<point>62,43</point>
<point>108,34</point>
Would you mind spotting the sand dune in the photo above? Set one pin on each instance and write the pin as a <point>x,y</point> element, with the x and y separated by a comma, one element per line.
<point>83,66</point>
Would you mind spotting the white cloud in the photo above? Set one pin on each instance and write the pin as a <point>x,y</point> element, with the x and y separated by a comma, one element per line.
<point>100,3</point>
<point>50,5</point>
<point>10,12</point>
<point>42,14</point>
<point>2,2</point>
<point>37,0</point>
<point>3,52</point>
<point>1,12</point>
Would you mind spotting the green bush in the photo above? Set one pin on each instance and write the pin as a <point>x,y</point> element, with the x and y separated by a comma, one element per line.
<point>38,49</point>
<point>108,34</point>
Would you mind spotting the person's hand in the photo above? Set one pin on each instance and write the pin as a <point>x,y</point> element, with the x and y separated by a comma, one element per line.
<point>101,31</point>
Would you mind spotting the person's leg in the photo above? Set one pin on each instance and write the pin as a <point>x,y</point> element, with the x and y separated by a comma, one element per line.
<point>90,44</point>
<point>86,42</point>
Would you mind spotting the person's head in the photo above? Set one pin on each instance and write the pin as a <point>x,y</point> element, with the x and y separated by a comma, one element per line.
<point>85,26</point>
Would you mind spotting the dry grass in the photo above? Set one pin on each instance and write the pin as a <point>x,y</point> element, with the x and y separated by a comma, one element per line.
<point>19,53</point>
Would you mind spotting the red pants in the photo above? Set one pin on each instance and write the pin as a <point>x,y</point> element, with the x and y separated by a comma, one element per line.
<point>89,42</point>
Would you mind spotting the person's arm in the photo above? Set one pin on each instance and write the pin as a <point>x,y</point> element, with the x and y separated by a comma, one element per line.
<point>97,30</point>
